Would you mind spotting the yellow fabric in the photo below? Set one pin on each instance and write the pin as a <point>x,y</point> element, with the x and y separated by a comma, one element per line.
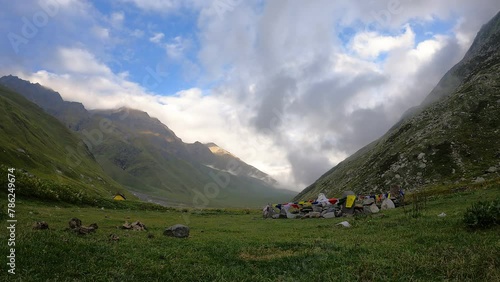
<point>350,201</point>
<point>118,198</point>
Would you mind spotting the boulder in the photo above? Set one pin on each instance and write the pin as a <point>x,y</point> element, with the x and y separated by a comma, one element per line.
<point>84,230</point>
<point>178,231</point>
<point>40,225</point>
<point>479,180</point>
<point>374,208</point>
<point>75,223</point>
<point>387,204</point>
<point>492,169</point>
<point>137,225</point>
<point>329,215</point>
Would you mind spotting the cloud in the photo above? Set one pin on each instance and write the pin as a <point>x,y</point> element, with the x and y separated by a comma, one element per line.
<point>157,37</point>
<point>371,45</point>
<point>176,47</point>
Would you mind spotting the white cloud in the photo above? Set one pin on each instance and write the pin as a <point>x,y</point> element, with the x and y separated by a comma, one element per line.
<point>176,47</point>
<point>100,32</point>
<point>157,37</point>
<point>371,44</point>
<point>81,62</point>
<point>117,19</point>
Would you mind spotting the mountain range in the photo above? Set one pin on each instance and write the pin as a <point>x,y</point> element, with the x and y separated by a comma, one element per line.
<point>145,157</point>
<point>451,138</point>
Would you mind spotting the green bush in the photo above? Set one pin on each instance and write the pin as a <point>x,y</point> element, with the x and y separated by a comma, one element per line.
<point>482,215</point>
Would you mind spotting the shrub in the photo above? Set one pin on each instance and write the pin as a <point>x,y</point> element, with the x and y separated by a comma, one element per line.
<point>482,215</point>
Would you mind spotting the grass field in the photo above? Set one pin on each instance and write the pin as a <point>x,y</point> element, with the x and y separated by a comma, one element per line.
<point>238,245</point>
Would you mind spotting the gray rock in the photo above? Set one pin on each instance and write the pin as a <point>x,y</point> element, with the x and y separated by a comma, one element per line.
<point>492,169</point>
<point>329,215</point>
<point>178,231</point>
<point>75,223</point>
<point>479,180</point>
<point>40,225</point>
<point>369,201</point>
<point>387,204</point>
<point>374,208</point>
<point>422,165</point>
<point>421,156</point>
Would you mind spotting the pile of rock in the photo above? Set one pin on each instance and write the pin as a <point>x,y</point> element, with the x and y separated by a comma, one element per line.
<point>75,225</point>
<point>137,225</point>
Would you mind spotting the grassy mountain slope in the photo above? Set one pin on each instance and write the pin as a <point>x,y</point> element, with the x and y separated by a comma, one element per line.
<point>44,151</point>
<point>453,137</point>
<point>146,157</point>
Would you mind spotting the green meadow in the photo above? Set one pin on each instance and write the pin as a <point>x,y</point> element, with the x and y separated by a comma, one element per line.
<point>239,245</point>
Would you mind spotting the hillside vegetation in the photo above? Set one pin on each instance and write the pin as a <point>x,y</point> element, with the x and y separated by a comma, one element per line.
<point>42,150</point>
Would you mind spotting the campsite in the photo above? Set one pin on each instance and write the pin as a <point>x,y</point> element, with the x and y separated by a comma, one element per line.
<point>228,140</point>
<point>238,244</point>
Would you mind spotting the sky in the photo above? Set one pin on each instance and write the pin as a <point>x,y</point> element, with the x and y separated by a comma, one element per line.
<point>290,87</point>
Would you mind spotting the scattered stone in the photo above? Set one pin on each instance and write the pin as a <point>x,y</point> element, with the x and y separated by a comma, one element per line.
<point>329,215</point>
<point>492,169</point>
<point>137,225</point>
<point>422,165</point>
<point>421,156</point>
<point>442,214</point>
<point>344,224</point>
<point>75,223</point>
<point>178,231</point>
<point>83,230</point>
<point>114,237</point>
<point>479,180</point>
<point>312,215</point>
<point>387,204</point>
<point>40,225</point>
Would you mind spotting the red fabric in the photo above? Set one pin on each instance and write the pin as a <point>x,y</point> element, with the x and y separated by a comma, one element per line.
<point>333,201</point>
<point>295,206</point>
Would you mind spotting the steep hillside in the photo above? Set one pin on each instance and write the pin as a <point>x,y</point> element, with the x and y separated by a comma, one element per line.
<point>452,137</point>
<point>147,157</point>
<point>214,156</point>
<point>47,156</point>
